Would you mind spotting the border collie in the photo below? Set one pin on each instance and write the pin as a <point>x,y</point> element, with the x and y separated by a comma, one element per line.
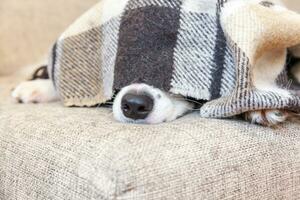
<point>141,103</point>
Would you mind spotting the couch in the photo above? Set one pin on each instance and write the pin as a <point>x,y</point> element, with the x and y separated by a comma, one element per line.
<point>48,151</point>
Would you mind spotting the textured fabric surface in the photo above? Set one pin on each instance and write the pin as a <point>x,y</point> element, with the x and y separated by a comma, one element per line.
<point>204,49</point>
<point>52,152</point>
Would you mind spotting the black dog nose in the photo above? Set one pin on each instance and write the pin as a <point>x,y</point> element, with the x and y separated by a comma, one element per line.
<point>135,106</point>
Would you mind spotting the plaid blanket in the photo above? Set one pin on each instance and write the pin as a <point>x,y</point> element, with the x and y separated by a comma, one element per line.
<point>204,49</point>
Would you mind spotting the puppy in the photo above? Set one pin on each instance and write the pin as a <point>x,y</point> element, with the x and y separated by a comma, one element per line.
<point>141,103</point>
<point>136,103</point>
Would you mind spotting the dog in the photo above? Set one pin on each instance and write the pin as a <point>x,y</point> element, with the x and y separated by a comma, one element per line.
<point>142,103</point>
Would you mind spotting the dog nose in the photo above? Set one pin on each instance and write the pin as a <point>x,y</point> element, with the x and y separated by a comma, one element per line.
<point>135,106</point>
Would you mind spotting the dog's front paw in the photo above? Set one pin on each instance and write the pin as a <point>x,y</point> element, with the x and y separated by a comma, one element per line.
<point>36,91</point>
<point>267,117</point>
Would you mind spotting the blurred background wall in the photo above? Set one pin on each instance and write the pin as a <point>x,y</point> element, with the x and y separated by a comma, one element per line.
<point>293,4</point>
<point>29,27</point>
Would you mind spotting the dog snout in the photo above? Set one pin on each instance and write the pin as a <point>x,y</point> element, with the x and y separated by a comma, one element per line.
<point>137,106</point>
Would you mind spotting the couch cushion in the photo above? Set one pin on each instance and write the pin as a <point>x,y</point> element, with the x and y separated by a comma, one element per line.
<point>51,152</point>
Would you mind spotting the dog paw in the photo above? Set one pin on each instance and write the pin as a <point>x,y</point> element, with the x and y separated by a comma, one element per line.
<point>267,117</point>
<point>37,91</point>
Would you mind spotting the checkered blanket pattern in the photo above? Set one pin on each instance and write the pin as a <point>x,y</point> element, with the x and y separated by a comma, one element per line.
<point>185,47</point>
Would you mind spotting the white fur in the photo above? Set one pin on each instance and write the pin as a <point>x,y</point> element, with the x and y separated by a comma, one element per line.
<point>37,91</point>
<point>166,108</point>
<point>269,118</point>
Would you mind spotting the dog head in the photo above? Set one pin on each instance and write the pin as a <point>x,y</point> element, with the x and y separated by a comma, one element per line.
<point>141,103</point>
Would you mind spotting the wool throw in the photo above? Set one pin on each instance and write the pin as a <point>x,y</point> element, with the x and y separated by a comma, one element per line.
<point>204,49</point>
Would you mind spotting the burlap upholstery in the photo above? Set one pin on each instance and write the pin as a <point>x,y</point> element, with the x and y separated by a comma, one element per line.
<point>52,152</point>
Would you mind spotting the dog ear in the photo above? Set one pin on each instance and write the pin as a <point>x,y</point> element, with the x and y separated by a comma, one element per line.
<point>40,73</point>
